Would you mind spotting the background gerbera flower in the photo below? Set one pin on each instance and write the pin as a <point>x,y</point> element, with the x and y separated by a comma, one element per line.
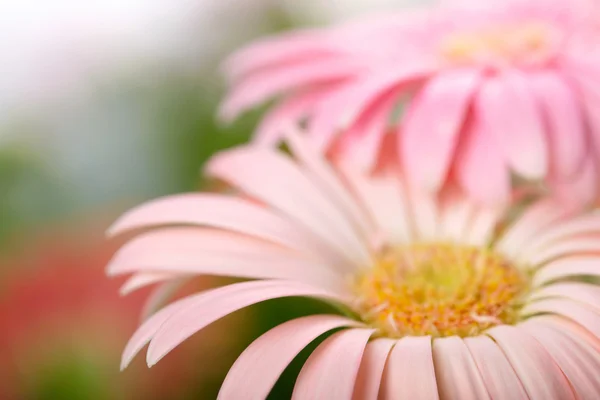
<point>493,90</point>
<point>437,296</point>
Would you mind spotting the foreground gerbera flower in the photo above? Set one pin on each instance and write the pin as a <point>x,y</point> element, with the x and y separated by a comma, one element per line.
<point>501,89</point>
<point>440,298</point>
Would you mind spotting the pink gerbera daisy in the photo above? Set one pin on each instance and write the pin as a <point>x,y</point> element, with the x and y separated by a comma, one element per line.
<point>438,297</point>
<point>490,91</point>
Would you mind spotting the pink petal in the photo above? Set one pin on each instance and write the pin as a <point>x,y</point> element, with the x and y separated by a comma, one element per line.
<point>582,314</point>
<point>330,371</point>
<point>224,212</point>
<point>455,216</point>
<point>342,110</point>
<point>579,368</point>
<point>582,189</point>
<point>383,195</point>
<point>292,192</point>
<point>483,225</point>
<point>539,374</point>
<point>188,250</point>
<point>583,225</point>
<point>212,305</point>
<point>370,373</point>
<point>583,343</point>
<point>409,373</point>
<point>433,124</point>
<point>481,168</point>
<point>289,112</point>
<point>567,267</point>
<point>498,375</point>
<point>257,369</point>
<point>508,112</point>
<point>161,294</point>
<point>535,219</point>
<point>572,246</point>
<point>143,279</point>
<point>361,143</point>
<point>148,329</point>
<point>328,180</point>
<point>259,87</point>
<point>370,89</point>
<point>425,213</point>
<point>565,122</point>
<point>457,374</point>
<point>285,48</point>
<point>586,293</point>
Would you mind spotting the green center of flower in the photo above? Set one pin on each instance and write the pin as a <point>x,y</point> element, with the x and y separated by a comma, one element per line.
<point>439,289</point>
<point>531,43</point>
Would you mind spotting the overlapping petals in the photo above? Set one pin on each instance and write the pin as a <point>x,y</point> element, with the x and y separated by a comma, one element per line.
<point>509,88</point>
<point>299,226</point>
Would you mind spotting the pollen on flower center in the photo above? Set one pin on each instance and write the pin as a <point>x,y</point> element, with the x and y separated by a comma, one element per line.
<point>532,43</point>
<point>439,289</point>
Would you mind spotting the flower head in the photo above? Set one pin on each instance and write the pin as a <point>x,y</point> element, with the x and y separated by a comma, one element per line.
<point>503,89</point>
<point>439,296</point>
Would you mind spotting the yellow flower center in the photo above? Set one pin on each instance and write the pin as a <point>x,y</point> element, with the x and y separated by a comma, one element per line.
<point>531,43</point>
<point>439,289</point>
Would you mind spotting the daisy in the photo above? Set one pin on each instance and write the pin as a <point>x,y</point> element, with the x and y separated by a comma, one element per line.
<point>438,297</point>
<point>488,92</point>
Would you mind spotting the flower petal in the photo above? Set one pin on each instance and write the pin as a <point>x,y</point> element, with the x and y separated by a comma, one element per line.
<point>148,329</point>
<point>539,374</point>
<point>498,375</point>
<point>371,369</point>
<point>581,189</point>
<point>212,305</point>
<point>330,371</point>
<point>143,279</point>
<point>457,374</point>
<point>482,227</point>
<point>425,211</point>
<point>585,224</point>
<point>572,362</point>
<point>569,267</point>
<point>565,122</point>
<point>324,175</point>
<point>342,110</point>
<point>224,212</point>
<point>534,220</point>
<point>289,190</point>
<point>259,87</point>
<point>409,373</point>
<point>206,251</point>
<point>568,247</point>
<point>361,143</point>
<point>581,313</point>
<point>289,112</point>
<point>294,46</point>
<point>509,113</point>
<point>481,169</point>
<point>433,124</point>
<point>455,215</point>
<point>587,293</point>
<point>257,369</point>
<point>384,196</point>
<point>161,294</point>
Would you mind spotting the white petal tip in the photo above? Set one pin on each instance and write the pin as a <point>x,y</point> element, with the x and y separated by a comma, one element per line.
<point>124,364</point>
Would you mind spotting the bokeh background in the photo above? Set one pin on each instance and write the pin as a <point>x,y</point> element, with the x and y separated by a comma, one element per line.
<point>105,104</point>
